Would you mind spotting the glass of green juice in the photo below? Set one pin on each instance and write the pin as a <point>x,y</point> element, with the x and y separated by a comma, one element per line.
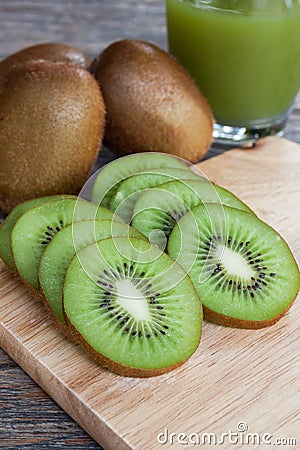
<point>244,56</point>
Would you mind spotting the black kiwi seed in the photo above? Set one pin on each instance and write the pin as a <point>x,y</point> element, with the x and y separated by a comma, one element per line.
<point>252,257</point>
<point>51,232</point>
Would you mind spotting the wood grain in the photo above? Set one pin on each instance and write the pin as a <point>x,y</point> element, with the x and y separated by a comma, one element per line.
<point>236,375</point>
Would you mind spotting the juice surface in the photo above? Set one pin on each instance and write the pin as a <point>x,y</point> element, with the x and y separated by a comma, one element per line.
<point>247,65</point>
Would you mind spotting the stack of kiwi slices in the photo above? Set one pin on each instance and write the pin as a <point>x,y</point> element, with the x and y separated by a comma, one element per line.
<point>241,268</point>
<point>128,273</point>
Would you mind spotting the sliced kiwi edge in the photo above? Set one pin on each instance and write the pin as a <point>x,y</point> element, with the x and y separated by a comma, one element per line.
<point>115,366</point>
<point>101,177</point>
<point>9,222</point>
<point>41,294</point>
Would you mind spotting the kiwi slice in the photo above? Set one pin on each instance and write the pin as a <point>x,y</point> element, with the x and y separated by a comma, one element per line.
<point>243,271</point>
<point>132,307</point>
<point>35,229</point>
<point>131,189</point>
<point>11,219</point>
<point>60,251</point>
<point>107,179</point>
<point>158,209</point>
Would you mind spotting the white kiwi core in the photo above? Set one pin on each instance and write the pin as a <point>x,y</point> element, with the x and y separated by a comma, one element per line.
<point>234,263</point>
<point>132,300</point>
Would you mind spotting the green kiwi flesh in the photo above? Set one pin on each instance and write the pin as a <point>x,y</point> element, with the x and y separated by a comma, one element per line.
<point>158,209</point>
<point>132,188</point>
<point>35,229</point>
<point>108,178</point>
<point>60,251</point>
<point>10,221</point>
<point>132,307</point>
<point>243,271</point>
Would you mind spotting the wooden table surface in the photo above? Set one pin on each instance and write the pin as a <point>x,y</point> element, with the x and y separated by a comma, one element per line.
<point>28,417</point>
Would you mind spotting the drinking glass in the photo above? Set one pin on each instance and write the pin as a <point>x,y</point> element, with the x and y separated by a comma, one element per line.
<point>244,56</point>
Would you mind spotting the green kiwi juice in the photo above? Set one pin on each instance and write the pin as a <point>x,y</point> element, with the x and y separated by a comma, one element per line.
<point>244,55</point>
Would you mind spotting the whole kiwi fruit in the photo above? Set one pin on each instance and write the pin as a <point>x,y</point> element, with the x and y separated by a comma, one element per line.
<point>51,127</point>
<point>152,102</point>
<point>50,51</point>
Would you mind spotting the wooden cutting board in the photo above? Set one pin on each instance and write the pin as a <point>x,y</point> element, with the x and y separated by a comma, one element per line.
<point>237,380</point>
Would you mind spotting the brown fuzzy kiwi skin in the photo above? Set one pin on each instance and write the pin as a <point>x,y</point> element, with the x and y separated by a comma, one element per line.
<point>50,51</point>
<point>152,102</point>
<point>112,366</point>
<point>52,123</point>
<point>226,321</point>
